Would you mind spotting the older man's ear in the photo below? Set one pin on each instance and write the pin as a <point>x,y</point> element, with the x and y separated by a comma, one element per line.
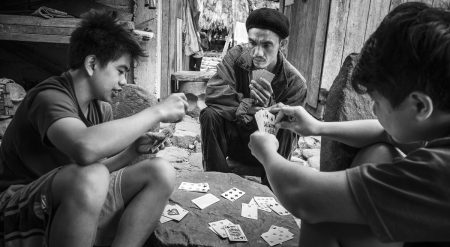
<point>284,45</point>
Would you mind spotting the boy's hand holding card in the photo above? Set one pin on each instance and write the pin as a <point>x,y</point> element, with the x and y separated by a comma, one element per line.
<point>266,122</point>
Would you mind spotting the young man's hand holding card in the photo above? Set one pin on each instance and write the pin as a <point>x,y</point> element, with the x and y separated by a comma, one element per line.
<point>266,122</point>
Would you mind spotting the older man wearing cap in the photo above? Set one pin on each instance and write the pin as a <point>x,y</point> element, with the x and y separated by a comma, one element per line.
<point>233,97</point>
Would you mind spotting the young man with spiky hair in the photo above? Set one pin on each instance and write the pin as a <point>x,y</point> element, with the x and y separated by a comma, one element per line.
<point>64,172</point>
<point>385,198</point>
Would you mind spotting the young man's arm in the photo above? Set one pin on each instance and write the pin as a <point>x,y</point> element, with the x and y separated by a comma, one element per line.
<point>87,145</point>
<point>307,194</point>
<point>358,133</point>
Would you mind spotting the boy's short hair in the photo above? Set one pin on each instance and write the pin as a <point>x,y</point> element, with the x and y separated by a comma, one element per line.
<point>409,51</point>
<point>100,34</point>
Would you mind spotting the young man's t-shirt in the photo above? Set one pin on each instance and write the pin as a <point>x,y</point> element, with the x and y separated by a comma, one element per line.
<point>408,200</point>
<point>26,153</point>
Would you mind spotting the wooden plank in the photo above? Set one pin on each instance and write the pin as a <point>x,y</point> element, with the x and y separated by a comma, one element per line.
<point>356,25</point>
<point>39,21</point>
<point>44,30</point>
<point>179,44</point>
<point>337,24</point>
<point>165,85</point>
<point>377,11</point>
<point>192,75</point>
<point>318,53</point>
<point>35,38</point>
<point>146,71</point>
<point>164,39</point>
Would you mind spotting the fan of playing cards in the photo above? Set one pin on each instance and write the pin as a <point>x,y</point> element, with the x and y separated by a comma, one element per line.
<point>266,121</point>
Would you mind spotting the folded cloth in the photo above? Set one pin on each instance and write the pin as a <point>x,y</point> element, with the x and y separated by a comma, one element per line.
<point>48,13</point>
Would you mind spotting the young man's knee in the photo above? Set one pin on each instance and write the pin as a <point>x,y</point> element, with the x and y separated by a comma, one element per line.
<point>376,153</point>
<point>86,186</point>
<point>159,172</point>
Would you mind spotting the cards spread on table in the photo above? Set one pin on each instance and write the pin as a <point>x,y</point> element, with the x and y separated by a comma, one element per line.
<point>277,235</point>
<point>198,187</point>
<point>235,233</point>
<point>249,211</point>
<point>266,121</point>
<point>233,194</point>
<point>174,212</point>
<point>262,73</point>
<point>205,201</point>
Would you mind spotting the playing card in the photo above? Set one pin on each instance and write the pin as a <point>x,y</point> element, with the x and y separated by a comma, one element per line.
<point>198,187</point>
<point>268,76</point>
<point>205,201</point>
<point>277,235</point>
<point>266,121</point>
<point>264,202</point>
<point>235,233</point>
<point>249,211</point>
<point>174,212</point>
<point>164,219</point>
<point>278,208</point>
<point>233,194</point>
<point>219,227</point>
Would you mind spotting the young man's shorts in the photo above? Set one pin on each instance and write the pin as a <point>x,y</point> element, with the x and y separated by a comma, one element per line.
<point>26,212</point>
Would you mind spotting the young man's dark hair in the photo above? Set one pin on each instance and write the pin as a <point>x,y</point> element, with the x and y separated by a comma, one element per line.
<point>101,34</point>
<point>415,57</point>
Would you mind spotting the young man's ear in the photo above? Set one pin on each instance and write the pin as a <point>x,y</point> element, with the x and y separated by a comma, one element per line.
<point>89,64</point>
<point>423,105</point>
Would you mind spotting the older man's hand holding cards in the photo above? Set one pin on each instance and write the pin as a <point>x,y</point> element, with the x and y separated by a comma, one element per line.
<point>260,87</point>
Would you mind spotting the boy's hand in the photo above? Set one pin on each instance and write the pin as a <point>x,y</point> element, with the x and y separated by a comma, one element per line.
<point>261,91</point>
<point>148,144</point>
<point>262,145</point>
<point>296,119</point>
<point>173,108</point>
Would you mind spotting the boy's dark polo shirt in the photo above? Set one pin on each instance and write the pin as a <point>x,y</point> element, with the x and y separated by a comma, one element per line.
<point>25,152</point>
<point>408,200</point>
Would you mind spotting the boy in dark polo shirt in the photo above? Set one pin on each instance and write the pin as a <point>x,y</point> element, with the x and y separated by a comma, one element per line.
<point>64,171</point>
<point>385,199</point>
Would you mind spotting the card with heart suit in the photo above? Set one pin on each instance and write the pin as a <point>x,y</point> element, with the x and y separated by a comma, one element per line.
<point>219,227</point>
<point>266,122</point>
<point>264,202</point>
<point>277,235</point>
<point>235,233</point>
<point>174,212</point>
<point>205,201</point>
<point>233,194</point>
<point>197,187</point>
<point>279,209</point>
<point>249,211</point>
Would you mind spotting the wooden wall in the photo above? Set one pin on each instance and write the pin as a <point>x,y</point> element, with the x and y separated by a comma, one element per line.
<point>324,32</point>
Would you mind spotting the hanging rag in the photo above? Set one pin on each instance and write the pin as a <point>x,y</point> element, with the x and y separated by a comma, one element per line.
<point>49,13</point>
